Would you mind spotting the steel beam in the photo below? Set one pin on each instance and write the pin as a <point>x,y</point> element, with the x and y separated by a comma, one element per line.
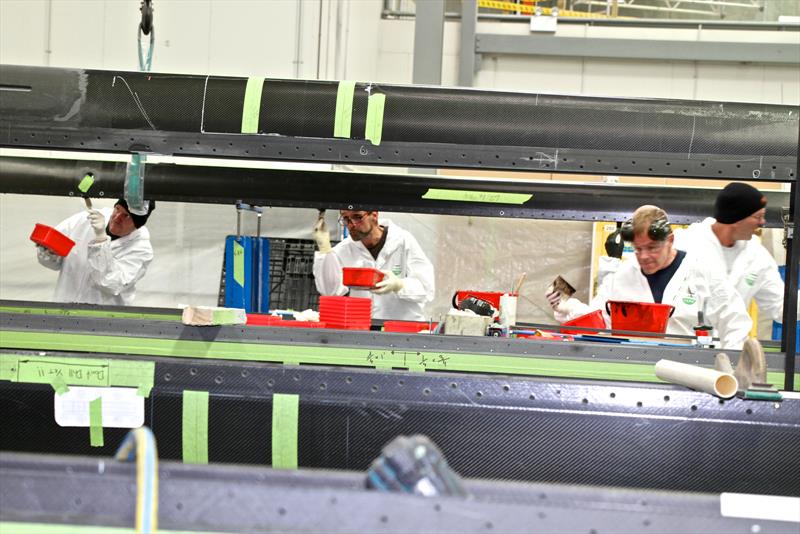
<point>667,50</point>
<point>348,190</point>
<point>422,127</point>
<point>54,490</point>
<point>428,42</point>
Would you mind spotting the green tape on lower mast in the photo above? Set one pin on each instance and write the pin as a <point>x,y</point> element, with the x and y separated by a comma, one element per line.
<point>285,414</point>
<point>362,357</point>
<point>194,430</point>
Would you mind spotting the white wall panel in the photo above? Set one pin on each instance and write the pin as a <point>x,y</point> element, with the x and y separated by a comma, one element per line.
<point>23,36</point>
<point>395,68</point>
<point>249,38</point>
<point>78,33</point>
<point>182,33</point>
<point>535,74</point>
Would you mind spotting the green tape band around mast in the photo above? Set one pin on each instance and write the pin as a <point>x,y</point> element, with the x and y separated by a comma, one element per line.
<point>252,105</point>
<point>195,427</point>
<point>344,109</point>
<point>285,412</point>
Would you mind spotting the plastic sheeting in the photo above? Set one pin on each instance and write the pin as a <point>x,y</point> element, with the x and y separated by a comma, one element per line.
<point>467,252</point>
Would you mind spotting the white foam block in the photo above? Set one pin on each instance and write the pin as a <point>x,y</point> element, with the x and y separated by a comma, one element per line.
<point>764,507</point>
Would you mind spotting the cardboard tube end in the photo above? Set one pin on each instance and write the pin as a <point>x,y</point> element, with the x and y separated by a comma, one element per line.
<point>726,386</point>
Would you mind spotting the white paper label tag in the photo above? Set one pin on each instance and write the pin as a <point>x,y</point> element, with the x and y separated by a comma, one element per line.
<point>122,407</point>
<point>765,507</point>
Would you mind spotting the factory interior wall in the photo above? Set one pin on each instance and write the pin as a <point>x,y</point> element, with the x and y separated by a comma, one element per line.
<point>344,39</point>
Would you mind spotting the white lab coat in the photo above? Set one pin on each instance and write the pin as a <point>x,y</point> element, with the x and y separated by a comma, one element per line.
<point>750,268</point>
<point>401,254</point>
<point>99,273</point>
<point>693,287</point>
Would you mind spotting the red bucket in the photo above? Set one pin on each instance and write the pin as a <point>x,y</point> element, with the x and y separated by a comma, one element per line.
<point>361,276</point>
<point>590,320</point>
<point>639,316</point>
<point>52,239</point>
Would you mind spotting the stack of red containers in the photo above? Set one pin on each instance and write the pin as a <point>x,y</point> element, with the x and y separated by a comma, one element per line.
<point>260,319</point>
<point>350,313</point>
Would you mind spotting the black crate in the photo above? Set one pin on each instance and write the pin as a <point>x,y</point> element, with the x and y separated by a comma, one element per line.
<point>291,277</point>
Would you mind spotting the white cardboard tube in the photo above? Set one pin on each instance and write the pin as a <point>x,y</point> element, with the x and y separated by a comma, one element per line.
<point>723,385</point>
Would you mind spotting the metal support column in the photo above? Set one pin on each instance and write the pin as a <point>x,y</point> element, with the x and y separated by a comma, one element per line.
<point>467,59</point>
<point>789,337</point>
<point>428,42</point>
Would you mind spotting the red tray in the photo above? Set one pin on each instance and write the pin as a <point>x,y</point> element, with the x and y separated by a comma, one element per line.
<point>361,276</point>
<point>52,239</point>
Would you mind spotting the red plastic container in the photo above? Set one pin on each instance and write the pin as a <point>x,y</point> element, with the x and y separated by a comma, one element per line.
<point>493,297</point>
<point>407,326</point>
<point>639,316</point>
<point>591,320</point>
<point>259,319</point>
<point>361,276</point>
<point>351,313</point>
<point>52,239</point>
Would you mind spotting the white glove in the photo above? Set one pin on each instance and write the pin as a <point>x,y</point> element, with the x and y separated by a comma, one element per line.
<point>554,299</point>
<point>321,236</point>
<point>98,223</point>
<point>47,257</point>
<point>390,284</point>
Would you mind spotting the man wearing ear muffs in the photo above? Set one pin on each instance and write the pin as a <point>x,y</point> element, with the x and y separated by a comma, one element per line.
<point>111,254</point>
<point>664,274</point>
<point>728,243</point>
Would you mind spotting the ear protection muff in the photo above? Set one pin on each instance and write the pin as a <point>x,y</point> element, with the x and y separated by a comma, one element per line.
<point>659,230</point>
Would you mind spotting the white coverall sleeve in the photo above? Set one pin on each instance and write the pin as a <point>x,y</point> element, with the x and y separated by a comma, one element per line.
<point>418,284</point>
<point>769,296</point>
<point>726,312</point>
<point>328,274</point>
<point>607,266</point>
<point>114,275</point>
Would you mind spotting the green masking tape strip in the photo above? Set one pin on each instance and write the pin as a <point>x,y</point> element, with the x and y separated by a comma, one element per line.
<point>96,422</point>
<point>252,105</point>
<point>14,527</point>
<point>477,196</point>
<point>373,130</point>
<point>60,385</point>
<point>96,372</point>
<point>166,316</point>
<point>285,411</point>
<point>195,427</point>
<point>238,263</point>
<point>430,361</point>
<point>555,367</point>
<point>86,183</point>
<point>344,109</point>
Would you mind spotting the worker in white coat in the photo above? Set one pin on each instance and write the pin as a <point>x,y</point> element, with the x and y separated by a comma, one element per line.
<point>663,274</point>
<point>728,244</point>
<point>111,254</point>
<point>408,280</point>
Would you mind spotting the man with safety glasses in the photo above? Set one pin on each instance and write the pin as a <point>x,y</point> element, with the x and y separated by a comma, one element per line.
<point>664,274</point>
<point>408,280</point>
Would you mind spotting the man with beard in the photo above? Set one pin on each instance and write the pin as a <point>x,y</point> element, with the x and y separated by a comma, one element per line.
<point>408,281</point>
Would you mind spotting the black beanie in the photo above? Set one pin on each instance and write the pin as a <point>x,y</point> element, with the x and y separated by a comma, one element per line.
<point>737,201</point>
<point>138,220</point>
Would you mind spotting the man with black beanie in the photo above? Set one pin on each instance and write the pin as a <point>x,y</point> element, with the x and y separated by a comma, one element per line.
<point>111,254</point>
<point>728,244</point>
